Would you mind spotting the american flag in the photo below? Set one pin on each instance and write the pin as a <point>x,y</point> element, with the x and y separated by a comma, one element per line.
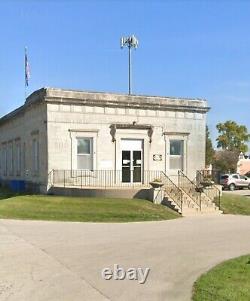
<point>27,69</point>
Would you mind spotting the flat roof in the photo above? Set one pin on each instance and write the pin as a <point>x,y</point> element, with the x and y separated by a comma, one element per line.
<point>68,96</point>
<point>83,93</point>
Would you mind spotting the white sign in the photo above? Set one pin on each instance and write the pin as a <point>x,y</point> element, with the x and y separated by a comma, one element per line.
<point>125,161</point>
<point>157,157</point>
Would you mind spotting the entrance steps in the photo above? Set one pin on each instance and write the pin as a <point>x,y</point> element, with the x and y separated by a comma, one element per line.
<point>188,199</point>
<point>188,212</point>
<point>190,208</point>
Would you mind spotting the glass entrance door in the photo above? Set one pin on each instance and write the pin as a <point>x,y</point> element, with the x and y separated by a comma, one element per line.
<point>131,166</point>
<point>136,166</point>
<point>126,166</point>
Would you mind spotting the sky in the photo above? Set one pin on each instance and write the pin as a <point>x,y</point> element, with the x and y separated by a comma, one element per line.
<point>195,49</point>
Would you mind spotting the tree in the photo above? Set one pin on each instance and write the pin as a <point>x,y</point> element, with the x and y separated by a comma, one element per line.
<point>233,137</point>
<point>226,161</point>
<point>209,148</point>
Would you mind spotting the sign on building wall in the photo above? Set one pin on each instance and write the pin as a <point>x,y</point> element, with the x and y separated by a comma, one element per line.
<point>157,157</point>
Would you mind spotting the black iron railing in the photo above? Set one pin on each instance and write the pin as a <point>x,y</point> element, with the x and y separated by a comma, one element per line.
<point>213,175</point>
<point>172,190</point>
<point>103,178</point>
<point>210,189</point>
<point>190,188</point>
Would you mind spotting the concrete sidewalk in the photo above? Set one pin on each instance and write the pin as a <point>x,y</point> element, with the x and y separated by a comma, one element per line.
<point>240,192</point>
<point>63,261</point>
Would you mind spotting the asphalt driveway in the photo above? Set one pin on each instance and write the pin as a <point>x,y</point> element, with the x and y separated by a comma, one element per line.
<point>63,261</point>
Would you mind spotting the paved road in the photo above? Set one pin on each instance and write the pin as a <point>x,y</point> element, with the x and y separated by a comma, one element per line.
<point>63,261</point>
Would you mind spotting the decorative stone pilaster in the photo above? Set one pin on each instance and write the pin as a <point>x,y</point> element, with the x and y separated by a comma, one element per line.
<point>113,132</point>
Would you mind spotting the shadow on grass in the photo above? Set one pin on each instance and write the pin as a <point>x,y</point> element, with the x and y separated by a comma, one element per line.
<point>5,193</point>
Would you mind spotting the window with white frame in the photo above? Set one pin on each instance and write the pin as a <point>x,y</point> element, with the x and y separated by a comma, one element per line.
<point>24,157</point>
<point>176,154</point>
<point>35,156</point>
<point>85,153</point>
<point>4,160</point>
<point>10,158</point>
<point>1,160</point>
<point>18,158</point>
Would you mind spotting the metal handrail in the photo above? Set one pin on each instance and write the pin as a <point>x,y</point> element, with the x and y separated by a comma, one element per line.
<point>218,196</point>
<point>213,174</point>
<point>190,188</point>
<point>102,178</point>
<point>209,192</point>
<point>50,178</point>
<point>173,190</point>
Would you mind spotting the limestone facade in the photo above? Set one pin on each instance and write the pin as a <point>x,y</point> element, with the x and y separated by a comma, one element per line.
<point>60,129</point>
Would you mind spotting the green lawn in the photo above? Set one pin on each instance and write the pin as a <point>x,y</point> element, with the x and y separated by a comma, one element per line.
<point>43,207</point>
<point>229,281</point>
<point>234,204</point>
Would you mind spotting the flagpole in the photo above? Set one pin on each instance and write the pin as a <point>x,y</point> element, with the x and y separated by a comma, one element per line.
<point>25,73</point>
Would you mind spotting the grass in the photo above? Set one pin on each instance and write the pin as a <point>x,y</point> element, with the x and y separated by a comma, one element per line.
<point>43,207</point>
<point>235,204</point>
<point>229,281</point>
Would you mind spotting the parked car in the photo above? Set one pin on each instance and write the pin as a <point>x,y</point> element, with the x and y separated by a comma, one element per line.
<point>234,181</point>
<point>247,174</point>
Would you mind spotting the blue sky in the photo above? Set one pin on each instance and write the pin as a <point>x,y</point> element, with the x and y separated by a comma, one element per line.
<point>187,49</point>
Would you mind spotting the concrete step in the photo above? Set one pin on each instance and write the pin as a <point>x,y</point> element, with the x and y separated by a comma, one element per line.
<point>171,204</point>
<point>190,208</point>
<point>209,205</point>
<point>203,212</point>
<point>215,212</point>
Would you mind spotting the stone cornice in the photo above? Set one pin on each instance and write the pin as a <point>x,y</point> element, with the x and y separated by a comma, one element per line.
<point>134,126</point>
<point>176,133</point>
<point>125,101</point>
<point>101,99</point>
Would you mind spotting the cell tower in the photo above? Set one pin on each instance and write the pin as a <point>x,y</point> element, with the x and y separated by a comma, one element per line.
<point>130,42</point>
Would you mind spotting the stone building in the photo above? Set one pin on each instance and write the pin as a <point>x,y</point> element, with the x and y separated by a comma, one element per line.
<point>87,139</point>
<point>243,165</point>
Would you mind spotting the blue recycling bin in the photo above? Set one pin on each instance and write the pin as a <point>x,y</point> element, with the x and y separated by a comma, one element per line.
<point>17,185</point>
